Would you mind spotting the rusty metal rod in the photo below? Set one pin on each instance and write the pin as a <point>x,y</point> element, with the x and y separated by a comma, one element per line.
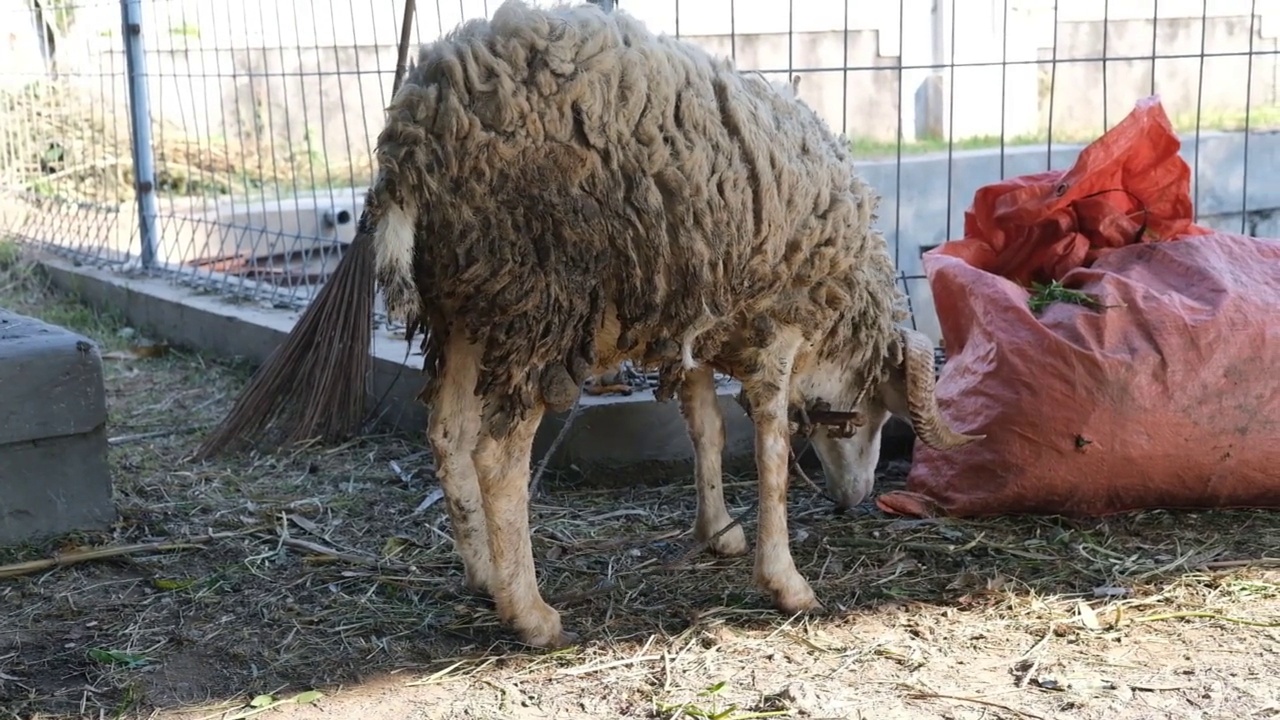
<point>402,59</point>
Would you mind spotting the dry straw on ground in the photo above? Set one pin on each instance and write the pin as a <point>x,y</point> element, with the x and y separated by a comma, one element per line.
<point>329,571</point>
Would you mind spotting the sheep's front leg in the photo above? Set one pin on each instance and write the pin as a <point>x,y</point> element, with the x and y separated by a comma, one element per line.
<point>503,466</point>
<point>705,423</point>
<point>452,432</point>
<point>775,570</point>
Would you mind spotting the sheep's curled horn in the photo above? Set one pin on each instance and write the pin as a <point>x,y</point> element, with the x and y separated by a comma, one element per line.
<point>922,403</point>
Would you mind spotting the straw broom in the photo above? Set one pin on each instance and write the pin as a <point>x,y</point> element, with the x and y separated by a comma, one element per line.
<point>313,387</point>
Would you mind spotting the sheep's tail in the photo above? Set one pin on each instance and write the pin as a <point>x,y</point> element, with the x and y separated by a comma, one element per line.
<point>393,242</point>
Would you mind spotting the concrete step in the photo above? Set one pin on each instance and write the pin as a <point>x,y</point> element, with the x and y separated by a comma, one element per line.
<point>54,475</point>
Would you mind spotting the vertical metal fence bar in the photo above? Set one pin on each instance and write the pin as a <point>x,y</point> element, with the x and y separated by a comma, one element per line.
<point>1248,107</point>
<point>1053,91</point>
<point>439,22</point>
<point>898,143</point>
<point>144,170</point>
<point>733,31</point>
<point>791,38</point>
<point>844,72</point>
<point>1004,86</point>
<point>1106,22</point>
<point>1155,41</point>
<point>897,169</point>
<point>1195,163</point>
<point>402,60</point>
<point>950,30</point>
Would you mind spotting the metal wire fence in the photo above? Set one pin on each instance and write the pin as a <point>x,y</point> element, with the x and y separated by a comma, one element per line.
<point>226,143</point>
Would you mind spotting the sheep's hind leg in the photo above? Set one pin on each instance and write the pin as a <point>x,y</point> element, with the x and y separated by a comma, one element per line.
<point>503,467</point>
<point>705,423</point>
<point>452,431</point>
<point>768,393</point>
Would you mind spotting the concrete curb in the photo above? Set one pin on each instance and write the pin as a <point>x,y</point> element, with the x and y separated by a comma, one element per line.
<point>613,441</point>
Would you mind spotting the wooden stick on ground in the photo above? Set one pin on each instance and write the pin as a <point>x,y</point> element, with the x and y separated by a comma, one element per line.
<point>368,561</point>
<point>103,553</point>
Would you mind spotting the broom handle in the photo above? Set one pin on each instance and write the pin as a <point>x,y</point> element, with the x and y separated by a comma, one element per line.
<point>402,60</point>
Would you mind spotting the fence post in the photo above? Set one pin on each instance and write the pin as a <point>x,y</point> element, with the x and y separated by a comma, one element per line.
<point>144,171</point>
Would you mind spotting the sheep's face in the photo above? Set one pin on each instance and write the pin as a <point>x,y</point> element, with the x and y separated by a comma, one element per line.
<point>848,459</point>
<point>908,392</point>
<point>849,462</point>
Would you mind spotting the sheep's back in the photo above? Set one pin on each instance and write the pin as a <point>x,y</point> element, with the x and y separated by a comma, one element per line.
<point>564,159</point>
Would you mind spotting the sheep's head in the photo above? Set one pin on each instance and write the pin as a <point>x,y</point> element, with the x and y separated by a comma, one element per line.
<point>849,447</point>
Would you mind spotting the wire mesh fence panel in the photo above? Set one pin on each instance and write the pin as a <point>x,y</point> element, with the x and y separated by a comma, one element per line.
<point>67,175</point>
<point>262,118</point>
<point>262,115</point>
<point>940,97</point>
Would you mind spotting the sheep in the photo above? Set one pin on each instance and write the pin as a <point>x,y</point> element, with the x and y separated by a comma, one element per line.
<point>560,190</point>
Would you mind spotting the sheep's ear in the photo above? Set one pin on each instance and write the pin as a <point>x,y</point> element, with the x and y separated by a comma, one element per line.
<point>795,84</point>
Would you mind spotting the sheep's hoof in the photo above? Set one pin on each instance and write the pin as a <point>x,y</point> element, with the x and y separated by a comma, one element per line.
<point>550,639</point>
<point>806,603</point>
<point>793,596</point>
<point>732,543</point>
<point>542,628</point>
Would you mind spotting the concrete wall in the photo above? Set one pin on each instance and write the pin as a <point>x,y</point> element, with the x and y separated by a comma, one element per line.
<point>313,83</point>
<point>293,80</point>
<point>826,92</point>
<point>329,101</point>
<point>1216,88</point>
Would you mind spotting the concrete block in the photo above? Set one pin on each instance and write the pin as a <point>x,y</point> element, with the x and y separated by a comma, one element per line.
<point>54,476</point>
<point>636,439</point>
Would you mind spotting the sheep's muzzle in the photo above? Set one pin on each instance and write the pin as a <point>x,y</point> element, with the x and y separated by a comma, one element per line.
<point>922,403</point>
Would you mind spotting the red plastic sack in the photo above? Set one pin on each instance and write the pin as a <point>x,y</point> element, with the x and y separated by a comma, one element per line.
<point>1164,394</point>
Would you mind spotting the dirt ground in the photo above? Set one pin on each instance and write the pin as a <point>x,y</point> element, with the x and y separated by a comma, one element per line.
<point>305,585</point>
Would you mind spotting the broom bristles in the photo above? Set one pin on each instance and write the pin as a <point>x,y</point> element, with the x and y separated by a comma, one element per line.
<point>313,387</point>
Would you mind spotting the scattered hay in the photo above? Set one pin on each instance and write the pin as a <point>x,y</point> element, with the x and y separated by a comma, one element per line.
<point>322,576</point>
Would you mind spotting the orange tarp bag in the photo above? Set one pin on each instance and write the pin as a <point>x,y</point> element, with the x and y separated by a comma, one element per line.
<point>1153,381</point>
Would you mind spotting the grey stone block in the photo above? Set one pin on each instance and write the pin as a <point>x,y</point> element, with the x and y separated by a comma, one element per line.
<point>54,475</point>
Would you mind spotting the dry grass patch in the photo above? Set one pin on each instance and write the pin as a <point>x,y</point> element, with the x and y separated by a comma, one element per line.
<point>321,583</point>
